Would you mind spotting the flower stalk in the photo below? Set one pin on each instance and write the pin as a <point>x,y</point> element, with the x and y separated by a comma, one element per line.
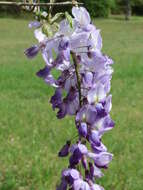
<point>75,61</point>
<point>82,90</point>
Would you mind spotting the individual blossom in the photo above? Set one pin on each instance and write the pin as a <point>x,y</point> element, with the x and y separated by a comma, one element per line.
<point>65,149</point>
<point>32,51</point>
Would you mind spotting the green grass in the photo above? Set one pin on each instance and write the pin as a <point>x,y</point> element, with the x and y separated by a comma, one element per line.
<point>30,135</point>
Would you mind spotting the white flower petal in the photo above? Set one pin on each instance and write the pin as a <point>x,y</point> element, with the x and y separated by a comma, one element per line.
<point>39,35</point>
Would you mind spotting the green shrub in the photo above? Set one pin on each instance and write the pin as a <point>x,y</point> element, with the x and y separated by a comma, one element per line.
<point>14,10</point>
<point>136,5</point>
<point>99,8</point>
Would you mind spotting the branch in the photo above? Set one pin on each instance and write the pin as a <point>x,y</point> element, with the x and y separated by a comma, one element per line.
<point>19,4</point>
<point>75,61</point>
<point>51,8</point>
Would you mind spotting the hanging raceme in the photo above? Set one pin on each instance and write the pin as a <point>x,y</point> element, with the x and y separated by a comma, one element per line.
<point>74,49</point>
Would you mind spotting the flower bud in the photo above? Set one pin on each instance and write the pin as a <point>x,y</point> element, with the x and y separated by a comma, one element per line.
<point>65,150</point>
<point>32,51</point>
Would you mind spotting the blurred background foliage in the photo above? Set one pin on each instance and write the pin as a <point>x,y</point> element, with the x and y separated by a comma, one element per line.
<point>97,8</point>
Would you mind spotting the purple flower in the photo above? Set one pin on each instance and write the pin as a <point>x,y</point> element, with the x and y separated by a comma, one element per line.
<point>65,149</point>
<point>64,44</point>
<point>43,73</point>
<point>81,16</point>
<point>108,104</point>
<point>82,87</point>
<point>78,151</point>
<point>70,175</point>
<point>62,111</point>
<point>96,94</point>
<point>98,149</point>
<point>101,111</point>
<point>94,171</point>
<point>102,159</point>
<point>32,51</point>
<point>81,185</point>
<point>83,129</point>
<point>87,79</point>
<point>34,24</point>
<point>94,138</point>
<point>71,101</point>
<point>39,35</point>
<point>56,99</point>
<point>50,80</point>
<point>103,125</point>
<point>96,187</point>
<point>63,185</point>
<point>87,114</point>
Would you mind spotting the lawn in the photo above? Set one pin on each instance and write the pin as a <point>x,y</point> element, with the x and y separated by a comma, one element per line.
<point>30,135</point>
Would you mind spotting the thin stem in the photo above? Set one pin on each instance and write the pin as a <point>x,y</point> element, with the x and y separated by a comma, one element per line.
<point>75,61</point>
<point>78,47</point>
<point>37,4</point>
<point>74,137</point>
<point>50,9</point>
<point>83,52</point>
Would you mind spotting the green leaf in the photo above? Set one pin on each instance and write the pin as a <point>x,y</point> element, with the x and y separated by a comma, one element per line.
<point>56,17</point>
<point>46,29</point>
<point>69,19</point>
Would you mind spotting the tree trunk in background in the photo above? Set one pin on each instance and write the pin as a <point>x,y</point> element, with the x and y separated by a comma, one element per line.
<point>128,10</point>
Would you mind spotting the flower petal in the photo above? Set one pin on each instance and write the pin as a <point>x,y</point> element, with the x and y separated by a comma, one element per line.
<point>81,15</point>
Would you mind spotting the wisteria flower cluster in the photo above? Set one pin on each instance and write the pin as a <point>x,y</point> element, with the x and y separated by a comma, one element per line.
<point>82,89</point>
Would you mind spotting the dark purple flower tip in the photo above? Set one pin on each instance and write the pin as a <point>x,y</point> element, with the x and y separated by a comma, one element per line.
<point>100,111</point>
<point>62,111</point>
<point>75,158</point>
<point>34,24</point>
<point>56,99</point>
<point>84,162</point>
<point>91,170</point>
<point>63,185</point>
<point>87,174</point>
<point>32,51</point>
<point>65,150</point>
<point>43,72</point>
<point>77,154</point>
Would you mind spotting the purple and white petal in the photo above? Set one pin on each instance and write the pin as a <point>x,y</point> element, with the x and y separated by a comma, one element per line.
<point>83,129</point>
<point>34,24</point>
<point>96,187</point>
<point>108,104</point>
<point>39,35</point>
<point>81,16</point>
<point>103,159</point>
